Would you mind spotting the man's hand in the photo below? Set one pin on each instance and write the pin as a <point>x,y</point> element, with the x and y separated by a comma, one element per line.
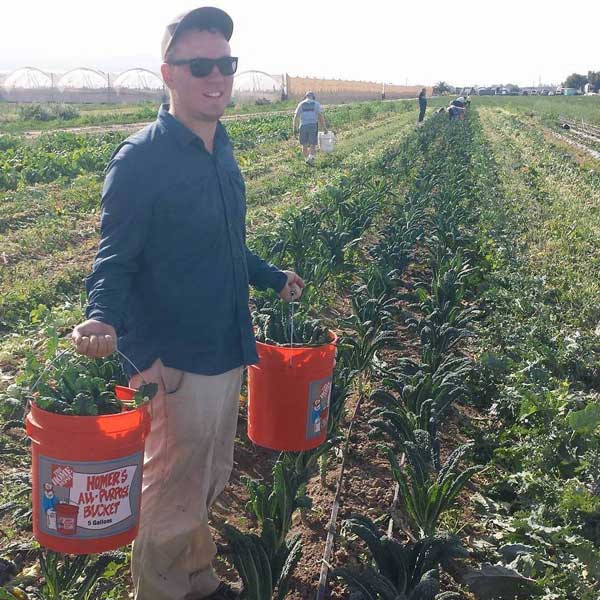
<point>94,338</point>
<point>292,290</point>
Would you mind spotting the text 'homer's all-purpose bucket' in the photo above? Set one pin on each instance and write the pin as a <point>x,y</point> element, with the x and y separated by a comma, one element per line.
<point>288,396</point>
<point>87,478</point>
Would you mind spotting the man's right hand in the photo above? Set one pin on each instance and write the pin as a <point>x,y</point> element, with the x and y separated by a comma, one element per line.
<point>94,338</point>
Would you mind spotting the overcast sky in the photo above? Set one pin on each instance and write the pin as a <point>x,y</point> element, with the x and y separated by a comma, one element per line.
<point>467,42</point>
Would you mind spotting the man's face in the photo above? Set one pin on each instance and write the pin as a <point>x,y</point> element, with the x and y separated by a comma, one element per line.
<point>203,98</point>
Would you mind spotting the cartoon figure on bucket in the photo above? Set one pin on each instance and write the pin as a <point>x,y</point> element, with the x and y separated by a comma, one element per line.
<point>316,414</point>
<point>50,500</point>
<point>49,505</point>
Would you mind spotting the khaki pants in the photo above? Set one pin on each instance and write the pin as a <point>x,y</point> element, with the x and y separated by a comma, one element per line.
<point>188,461</point>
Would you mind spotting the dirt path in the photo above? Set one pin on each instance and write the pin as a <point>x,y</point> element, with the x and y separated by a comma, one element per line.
<point>130,127</point>
<point>575,144</point>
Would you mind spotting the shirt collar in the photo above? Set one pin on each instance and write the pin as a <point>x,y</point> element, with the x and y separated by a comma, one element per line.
<point>183,134</point>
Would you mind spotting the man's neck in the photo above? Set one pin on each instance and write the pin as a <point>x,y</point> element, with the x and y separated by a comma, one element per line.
<point>205,130</point>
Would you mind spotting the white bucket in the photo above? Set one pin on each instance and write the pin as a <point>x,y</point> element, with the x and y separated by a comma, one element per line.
<point>326,141</point>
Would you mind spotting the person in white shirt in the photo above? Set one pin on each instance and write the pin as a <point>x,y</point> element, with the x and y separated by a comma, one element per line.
<point>309,113</point>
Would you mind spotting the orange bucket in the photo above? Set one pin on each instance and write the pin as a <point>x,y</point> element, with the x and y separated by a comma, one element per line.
<point>125,395</point>
<point>87,479</point>
<point>288,396</point>
<point>66,518</point>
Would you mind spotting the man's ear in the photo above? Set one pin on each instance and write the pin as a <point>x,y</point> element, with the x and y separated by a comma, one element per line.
<point>167,74</point>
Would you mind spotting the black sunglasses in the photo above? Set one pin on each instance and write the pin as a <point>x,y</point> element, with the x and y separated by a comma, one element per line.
<point>201,67</point>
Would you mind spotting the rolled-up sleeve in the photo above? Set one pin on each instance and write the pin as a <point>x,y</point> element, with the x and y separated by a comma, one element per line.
<point>123,231</point>
<point>263,275</point>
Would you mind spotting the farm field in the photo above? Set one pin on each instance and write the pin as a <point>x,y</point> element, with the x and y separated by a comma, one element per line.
<point>457,263</point>
<point>19,118</point>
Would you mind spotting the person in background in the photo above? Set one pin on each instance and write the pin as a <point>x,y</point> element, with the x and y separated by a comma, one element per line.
<point>456,112</point>
<point>171,280</point>
<point>309,114</point>
<point>422,104</point>
<point>460,102</point>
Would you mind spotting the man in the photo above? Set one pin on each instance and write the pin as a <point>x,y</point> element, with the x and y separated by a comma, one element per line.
<point>456,112</point>
<point>171,281</point>
<point>309,113</point>
<point>459,102</point>
<point>422,104</point>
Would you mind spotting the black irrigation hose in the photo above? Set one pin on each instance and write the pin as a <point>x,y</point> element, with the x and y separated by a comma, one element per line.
<point>331,527</point>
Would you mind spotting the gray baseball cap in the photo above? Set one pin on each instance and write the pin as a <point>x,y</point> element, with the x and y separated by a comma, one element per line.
<point>204,17</point>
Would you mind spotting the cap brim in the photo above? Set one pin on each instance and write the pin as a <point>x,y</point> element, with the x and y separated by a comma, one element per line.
<point>206,16</point>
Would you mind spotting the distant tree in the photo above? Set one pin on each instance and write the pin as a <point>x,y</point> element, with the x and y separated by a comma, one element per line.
<point>594,79</point>
<point>575,80</point>
<point>441,87</point>
<point>512,87</point>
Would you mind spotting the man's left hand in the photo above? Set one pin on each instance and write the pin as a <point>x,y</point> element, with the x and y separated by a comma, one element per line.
<point>292,290</point>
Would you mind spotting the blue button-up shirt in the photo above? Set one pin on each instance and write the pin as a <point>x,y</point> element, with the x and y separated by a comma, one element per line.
<point>173,269</point>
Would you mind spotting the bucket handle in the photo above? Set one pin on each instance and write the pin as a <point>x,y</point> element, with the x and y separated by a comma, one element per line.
<point>291,325</point>
<point>62,353</point>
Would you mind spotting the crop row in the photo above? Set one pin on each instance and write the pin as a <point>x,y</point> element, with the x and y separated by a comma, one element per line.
<point>426,387</point>
<point>539,369</point>
<point>361,196</point>
<point>55,155</point>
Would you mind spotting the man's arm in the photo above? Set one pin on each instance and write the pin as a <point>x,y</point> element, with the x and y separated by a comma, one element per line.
<point>322,122</point>
<point>123,232</point>
<point>321,117</point>
<point>297,120</point>
<point>262,275</point>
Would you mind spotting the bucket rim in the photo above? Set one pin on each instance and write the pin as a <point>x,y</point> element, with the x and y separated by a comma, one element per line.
<point>35,409</point>
<point>70,505</point>
<point>333,341</point>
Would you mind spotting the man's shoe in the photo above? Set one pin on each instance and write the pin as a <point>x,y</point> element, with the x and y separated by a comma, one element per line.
<point>224,592</point>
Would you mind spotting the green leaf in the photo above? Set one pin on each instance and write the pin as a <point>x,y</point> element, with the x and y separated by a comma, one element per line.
<point>145,393</point>
<point>528,407</point>
<point>85,406</point>
<point>586,420</point>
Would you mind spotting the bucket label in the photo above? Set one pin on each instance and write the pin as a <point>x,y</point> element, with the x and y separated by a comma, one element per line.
<point>89,500</point>
<point>319,393</point>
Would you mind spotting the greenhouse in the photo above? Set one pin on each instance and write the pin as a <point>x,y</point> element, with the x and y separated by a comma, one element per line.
<point>257,86</point>
<point>28,84</point>
<point>138,84</point>
<point>28,78</point>
<point>83,78</point>
<point>138,79</point>
<point>85,85</point>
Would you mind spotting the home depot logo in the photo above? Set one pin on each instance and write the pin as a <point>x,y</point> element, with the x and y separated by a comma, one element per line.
<point>325,391</point>
<point>62,476</point>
